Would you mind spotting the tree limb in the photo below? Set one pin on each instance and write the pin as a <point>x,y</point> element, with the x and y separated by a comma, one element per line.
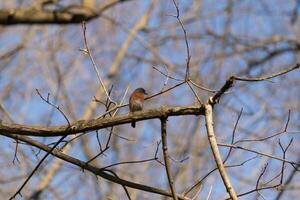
<point>95,124</point>
<point>214,147</point>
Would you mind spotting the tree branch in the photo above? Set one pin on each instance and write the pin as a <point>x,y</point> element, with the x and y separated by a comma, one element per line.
<point>91,168</point>
<point>73,14</point>
<point>166,156</point>
<point>96,124</point>
<point>214,147</point>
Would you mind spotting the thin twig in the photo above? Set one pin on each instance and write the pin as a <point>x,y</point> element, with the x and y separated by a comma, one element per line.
<point>135,161</point>
<point>213,170</point>
<point>16,153</point>
<point>293,163</point>
<point>209,193</point>
<point>47,100</point>
<point>166,74</point>
<point>111,128</point>
<point>201,87</point>
<point>121,102</point>
<point>229,83</point>
<point>149,97</point>
<point>182,80</point>
<point>188,59</point>
<point>261,175</point>
<point>88,51</point>
<point>124,187</point>
<point>233,135</point>
<point>268,137</point>
<point>195,94</point>
<point>284,150</point>
<point>268,77</point>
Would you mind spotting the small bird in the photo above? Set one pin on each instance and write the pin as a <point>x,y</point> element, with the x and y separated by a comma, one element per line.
<point>136,101</point>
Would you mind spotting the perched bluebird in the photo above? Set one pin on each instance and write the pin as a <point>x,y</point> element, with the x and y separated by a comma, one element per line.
<point>136,101</point>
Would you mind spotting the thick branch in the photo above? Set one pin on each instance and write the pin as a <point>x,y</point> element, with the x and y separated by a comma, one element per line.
<point>70,15</point>
<point>34,16</point>
<point>214,147</point>
<point>95,124</point>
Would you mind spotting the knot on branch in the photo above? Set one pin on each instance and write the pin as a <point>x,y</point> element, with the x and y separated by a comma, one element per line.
<point>164,117</point>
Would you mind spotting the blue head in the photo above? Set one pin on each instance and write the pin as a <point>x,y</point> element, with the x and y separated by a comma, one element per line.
<point>141,90</point>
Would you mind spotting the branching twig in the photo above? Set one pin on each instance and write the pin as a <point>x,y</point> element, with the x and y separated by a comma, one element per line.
<point>87,51</point>
<point>186,192</point>
<point>91,168</point>
<point>107,104</point>
<point>149,97</point>
<point>167,74</point>
<point>182,80</point>
<point>293,163</point>
<point>54,106</point>
<point>48,152</point>
<point>268,137</point>
<point>201,87</point>
<point>135,161</point>
<point>124,187</point>
<point>229,83</point>
<point>284,150</point>
<point>16,153</point>
<point>261,175</point>
<point>195,94</point>
<point>188,59</point>
<point>281,174</point>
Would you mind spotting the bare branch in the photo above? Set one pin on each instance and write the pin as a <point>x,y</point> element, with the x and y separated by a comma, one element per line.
<point>198,183</point>
<point>293,163</point>
<point>136,161</point>
<point>91,168</point>
<point>37,166</point>
<point>167,74</point>
<point>166,157</point>
<point>214,147</point>
<point>260,175</point>
<point>268,137</point>
<point>95,124</point>
<point>88,51</point>
<point>195,94</point>
<point>72,14</point>
<point>268,77</point>
<point>229,83</point>
<point>49,152</point>
<point>188,59</point>
<point>149,97</point>
<point>233,135</point>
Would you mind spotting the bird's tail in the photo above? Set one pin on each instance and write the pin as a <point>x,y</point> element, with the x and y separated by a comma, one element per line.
<point>133,124</point>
